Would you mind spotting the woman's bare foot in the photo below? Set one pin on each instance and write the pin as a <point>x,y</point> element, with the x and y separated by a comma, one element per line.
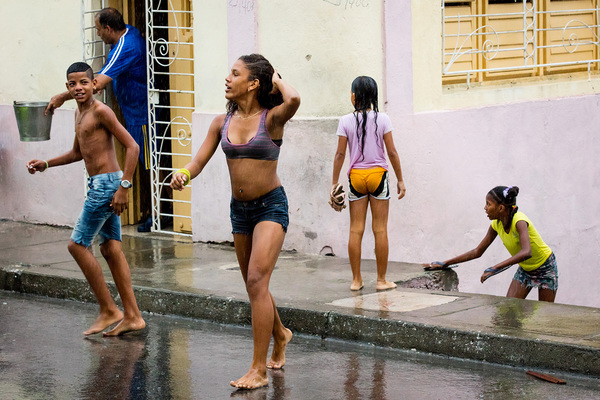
<point>103,321</point>
<point>356,285</point>
<point>252,380</point>
<point>277,360</point>
<point>126,325</point>
<point>385,285</point>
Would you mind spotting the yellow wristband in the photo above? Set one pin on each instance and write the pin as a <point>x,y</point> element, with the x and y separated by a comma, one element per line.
<point>47,166</point>
<point>185,172</point>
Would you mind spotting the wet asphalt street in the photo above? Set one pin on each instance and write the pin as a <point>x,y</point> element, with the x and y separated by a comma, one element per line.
<point>43,355</point>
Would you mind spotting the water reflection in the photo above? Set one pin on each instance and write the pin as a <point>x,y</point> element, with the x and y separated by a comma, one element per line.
<point>375,382</point>
<point>256,394</point>
<point>514,313</point>
<point>116,369</point>
<point>352,375</point>
<point>358,302</point>
<point>378,391</point>
<point>384,304</point>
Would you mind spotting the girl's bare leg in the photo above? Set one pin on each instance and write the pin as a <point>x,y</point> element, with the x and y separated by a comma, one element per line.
<point>281,334</point>
<point>517,290</point>
<point>358,215</point>
<point>379,213</point>
<point>257,256</point>
<point>281,337</point>
<point>109,312</point>
<point>546,295</point>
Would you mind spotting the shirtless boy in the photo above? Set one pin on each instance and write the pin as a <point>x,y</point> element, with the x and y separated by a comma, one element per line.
<point>95,127</point>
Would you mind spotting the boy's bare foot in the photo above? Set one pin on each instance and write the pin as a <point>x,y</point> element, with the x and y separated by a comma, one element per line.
<point>277,360</point>
<point>252,380</point>
<point>356,285</point>
<point>103,321</point>
<point>126,325</point>
<point>385,285</point>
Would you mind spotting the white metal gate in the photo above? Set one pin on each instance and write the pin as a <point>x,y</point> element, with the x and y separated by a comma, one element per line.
<point>169,36</point>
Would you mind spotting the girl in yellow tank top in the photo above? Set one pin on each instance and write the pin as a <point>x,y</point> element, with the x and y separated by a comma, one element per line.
<point>537,264</point>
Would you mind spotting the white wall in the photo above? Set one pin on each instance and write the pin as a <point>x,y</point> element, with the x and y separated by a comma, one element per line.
<point>321,47</point>
<point>53,197</point>
<point>41,39</point>
<point>210,52</point>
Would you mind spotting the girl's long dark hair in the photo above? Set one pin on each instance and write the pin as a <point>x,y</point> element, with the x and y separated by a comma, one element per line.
<point>507,196</point>
<point>365,97</point>
<point>260,68</point>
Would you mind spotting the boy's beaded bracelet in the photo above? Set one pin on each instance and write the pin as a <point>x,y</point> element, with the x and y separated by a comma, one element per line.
<point>185,172</point>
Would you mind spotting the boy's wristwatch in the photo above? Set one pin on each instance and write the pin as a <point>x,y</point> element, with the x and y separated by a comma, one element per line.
<point>126,184</point>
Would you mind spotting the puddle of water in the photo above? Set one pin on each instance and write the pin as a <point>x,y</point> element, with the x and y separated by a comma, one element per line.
<point>395,301</point>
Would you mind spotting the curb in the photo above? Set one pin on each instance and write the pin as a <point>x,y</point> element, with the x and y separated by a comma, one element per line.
<point>501,349</point>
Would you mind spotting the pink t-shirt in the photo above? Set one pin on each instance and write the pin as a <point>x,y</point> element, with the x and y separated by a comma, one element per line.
<point>374,151</point>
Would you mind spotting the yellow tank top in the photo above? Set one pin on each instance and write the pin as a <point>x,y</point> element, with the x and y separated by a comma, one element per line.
<point>540,251</point>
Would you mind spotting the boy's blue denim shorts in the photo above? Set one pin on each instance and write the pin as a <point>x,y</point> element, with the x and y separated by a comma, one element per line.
<point>543,277</point>
<point>273,206</point>
<point>97,216</point>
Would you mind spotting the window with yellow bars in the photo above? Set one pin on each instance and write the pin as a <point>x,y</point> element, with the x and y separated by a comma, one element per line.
<point>486,40</point>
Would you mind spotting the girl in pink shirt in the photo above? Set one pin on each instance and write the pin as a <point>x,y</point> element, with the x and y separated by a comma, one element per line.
<point>367,133</point>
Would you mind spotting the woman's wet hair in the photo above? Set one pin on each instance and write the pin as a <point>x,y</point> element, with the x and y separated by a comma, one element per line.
<point>80,67</point>
<point>507,196</point>
<point>259,68</point>
<point>365,97</point>
<point>111,17</point>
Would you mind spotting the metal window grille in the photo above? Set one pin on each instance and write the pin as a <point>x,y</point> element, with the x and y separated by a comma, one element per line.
<point>482,38</point>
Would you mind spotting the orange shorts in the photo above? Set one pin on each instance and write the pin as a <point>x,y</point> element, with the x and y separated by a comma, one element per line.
<point>372,182</point>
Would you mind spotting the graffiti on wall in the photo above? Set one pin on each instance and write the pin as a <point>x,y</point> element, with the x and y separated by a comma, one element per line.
<point>244,6</point>
<point>349,3</point>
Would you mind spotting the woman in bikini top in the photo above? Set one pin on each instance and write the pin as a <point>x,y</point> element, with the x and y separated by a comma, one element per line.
<point>250,134</point>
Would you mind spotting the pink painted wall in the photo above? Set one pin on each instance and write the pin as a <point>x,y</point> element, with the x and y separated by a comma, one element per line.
<point>451,159</point>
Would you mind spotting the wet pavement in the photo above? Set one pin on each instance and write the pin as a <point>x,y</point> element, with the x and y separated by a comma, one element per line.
<point>43,355</point>
<point>172,275</point>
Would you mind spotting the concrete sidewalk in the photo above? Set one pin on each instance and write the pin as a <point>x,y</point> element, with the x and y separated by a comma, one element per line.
<point>172,275</point>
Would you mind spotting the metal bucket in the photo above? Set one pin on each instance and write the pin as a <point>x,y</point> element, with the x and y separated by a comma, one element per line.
<point>33,125</point>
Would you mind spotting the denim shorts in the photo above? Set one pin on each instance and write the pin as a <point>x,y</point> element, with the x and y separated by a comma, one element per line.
<point>97,216</point>
<point>245,215</point>
<point>543,277</point>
